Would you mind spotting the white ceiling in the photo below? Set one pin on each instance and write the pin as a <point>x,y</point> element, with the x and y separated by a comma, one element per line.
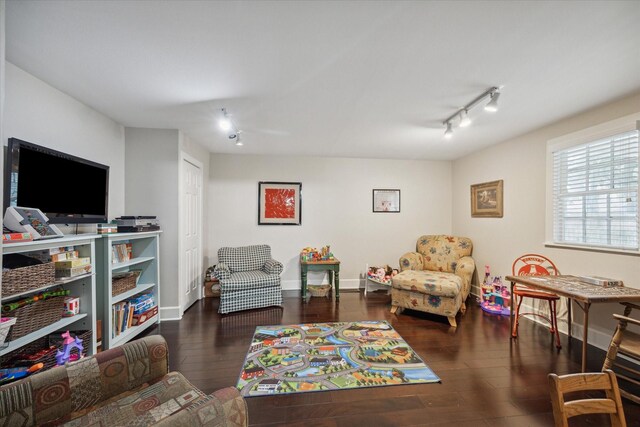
<point>348,79</point>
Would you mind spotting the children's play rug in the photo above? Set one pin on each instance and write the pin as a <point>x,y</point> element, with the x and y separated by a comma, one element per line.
<point>329,356</point>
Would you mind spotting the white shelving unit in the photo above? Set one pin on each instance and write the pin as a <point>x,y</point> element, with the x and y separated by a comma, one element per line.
<point>83,286</point>
<point>370,282</point>
<point>145,257</point>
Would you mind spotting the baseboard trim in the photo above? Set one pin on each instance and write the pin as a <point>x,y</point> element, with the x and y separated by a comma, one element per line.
<point>170,313</point>
<point>296,285</point>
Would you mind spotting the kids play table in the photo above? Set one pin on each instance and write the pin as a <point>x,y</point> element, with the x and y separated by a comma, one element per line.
<point>331,267</point>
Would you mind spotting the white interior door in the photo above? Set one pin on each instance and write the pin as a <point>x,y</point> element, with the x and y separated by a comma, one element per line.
<point>191,218</point>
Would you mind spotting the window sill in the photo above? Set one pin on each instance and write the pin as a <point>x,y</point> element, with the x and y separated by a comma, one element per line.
<point>592,249</point>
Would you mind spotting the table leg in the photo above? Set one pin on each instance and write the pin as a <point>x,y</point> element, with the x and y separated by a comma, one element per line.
<point>337,284</point>
<point>511,311</point>
<point>303,274</point>
<point>569,304</point>
<point>585,334</point>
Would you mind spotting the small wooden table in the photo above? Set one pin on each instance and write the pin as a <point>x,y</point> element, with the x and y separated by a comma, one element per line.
<point>331,267</point>
<point>584,294</point>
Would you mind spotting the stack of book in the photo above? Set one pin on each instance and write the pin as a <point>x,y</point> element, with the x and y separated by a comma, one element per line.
<point>121,252</point>
<point>107,228</point>
<point>132,312</point>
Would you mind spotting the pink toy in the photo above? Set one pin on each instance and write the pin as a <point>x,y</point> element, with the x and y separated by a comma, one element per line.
<point>68,344</point>
<point>496,297</point>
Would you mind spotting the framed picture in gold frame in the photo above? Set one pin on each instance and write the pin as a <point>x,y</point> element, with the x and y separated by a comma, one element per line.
<point>486,200</point>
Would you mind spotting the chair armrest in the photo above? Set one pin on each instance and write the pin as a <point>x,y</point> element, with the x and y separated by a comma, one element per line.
<point>272,267</point>
<point>465,268</point>
<point>411,261</point>
<point>213,410</point>
<point>88,381</point>
<point>221,271</point>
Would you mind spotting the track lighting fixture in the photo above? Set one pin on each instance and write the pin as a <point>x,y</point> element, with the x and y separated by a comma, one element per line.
<point>492,106</point>
<point>463,113</point>
<point>449,132</point>
<point>227,125</point>
<point>464,119</point>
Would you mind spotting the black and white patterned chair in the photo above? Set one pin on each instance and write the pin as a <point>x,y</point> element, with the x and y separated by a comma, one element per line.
<point>249,278</point>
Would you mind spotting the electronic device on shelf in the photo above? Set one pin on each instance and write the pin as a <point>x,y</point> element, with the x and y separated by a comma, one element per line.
<point>32,221</point>
<point>66,188</point>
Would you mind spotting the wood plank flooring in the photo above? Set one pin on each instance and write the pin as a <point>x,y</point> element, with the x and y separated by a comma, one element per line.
<point>487,379</point>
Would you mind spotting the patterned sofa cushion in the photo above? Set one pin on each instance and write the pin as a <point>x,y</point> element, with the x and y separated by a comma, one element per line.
<point>245,258</point>
<point>145,407</point>
<point>441,253</point>
<point>429,282</point>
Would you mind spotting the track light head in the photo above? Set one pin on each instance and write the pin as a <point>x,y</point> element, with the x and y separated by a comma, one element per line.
<point>225,122</point>
<point>464,119</point>
<point>492,106</point>
<point>449,132</point>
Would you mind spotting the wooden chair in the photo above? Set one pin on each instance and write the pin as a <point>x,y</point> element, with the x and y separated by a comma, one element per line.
<point>626,343</point>
<point>535,265</point>
<point>603,381</point>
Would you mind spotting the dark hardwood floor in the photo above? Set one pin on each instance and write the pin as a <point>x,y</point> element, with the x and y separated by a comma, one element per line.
<point>487,379</point>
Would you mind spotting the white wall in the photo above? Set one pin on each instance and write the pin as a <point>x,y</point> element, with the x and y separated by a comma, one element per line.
<point>521,162</point>
<point>336,209</point>
<point>41,114</point>
<point>152,189</point>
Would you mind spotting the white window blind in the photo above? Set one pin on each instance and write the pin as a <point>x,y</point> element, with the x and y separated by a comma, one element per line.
<point>595,193</point>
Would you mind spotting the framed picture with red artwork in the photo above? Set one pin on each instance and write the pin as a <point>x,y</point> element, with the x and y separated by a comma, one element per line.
<point>279,203</point>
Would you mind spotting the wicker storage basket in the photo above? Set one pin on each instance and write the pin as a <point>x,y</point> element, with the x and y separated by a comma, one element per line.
<point>318,290</point>
<point>36,315</point>
<point>41,351</point>
<point>124,283</point>
<point>24,279</point>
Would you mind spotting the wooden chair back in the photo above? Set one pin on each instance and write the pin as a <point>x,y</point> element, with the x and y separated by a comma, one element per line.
<point>627,343</point>
<point>534,265</point>
<point>604,381</point>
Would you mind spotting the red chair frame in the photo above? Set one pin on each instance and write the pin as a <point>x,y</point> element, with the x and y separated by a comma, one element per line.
<point>535,265</point>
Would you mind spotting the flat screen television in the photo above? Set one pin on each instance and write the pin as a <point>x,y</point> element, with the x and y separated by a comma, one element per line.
<point>66,188</point>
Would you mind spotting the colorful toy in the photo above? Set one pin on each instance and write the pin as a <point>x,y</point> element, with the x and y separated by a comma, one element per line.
<point>12,374</point>
<point>496,297</point>
<point>382,274</point>
<point>312,254</point>
<point>71,306</point>
<point>69,344</point>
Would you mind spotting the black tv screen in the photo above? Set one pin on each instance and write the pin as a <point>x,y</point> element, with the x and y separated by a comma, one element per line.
<point>66,188</point>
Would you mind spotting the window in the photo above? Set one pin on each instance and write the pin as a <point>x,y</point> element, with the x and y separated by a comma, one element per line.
<point>595,192</point>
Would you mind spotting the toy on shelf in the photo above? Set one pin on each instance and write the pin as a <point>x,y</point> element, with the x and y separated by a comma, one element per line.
<point>310,254</point>
<point>382,274</point>
<point>12,374</point>
<point>496,297</point>
<point>69,344</point>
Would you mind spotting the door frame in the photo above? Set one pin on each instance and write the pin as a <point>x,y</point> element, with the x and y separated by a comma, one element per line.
<point>185,157</point>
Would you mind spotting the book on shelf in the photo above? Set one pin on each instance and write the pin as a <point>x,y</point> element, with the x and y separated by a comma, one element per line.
<point>139,319</point>
<point>605,282</point>
<point>16,237</point>
<point>73,271</point>
<point>132,312</point>
<point>121,252</point>
<point>71,263</point>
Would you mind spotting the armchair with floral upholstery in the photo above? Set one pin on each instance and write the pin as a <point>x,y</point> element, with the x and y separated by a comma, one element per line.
<point>436,278</point>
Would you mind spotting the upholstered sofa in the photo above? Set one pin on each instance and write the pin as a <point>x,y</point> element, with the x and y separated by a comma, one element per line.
<point>249,278</point>
<point>436,278</point>
<point>128,385</point>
